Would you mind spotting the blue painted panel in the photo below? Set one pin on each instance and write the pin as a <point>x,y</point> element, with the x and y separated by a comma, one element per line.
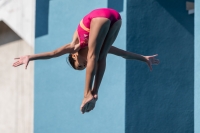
<point>161,101</point>
<point>197,68</point>
<point>59,88</point>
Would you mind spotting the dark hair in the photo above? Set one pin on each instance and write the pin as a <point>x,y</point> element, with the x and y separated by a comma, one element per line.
<point>71,61</point>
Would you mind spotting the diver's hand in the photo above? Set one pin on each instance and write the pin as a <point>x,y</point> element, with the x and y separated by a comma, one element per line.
<point>21,60</point>
<point>151,60</point>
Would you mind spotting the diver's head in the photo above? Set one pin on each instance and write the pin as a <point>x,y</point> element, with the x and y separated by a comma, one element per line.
<point>77,61</point>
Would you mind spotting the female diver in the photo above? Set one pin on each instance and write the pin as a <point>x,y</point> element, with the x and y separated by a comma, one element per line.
<point>91,43</point>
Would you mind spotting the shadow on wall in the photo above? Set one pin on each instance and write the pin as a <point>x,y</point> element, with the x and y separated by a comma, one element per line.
<point>7,35</point>
<point>160,101</point>
<point>177,9</point>
<point>42,16</point>
<point>116,4</point>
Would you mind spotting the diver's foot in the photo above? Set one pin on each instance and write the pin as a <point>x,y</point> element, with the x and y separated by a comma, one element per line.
<point>92,103</point>
<point>86,100</point>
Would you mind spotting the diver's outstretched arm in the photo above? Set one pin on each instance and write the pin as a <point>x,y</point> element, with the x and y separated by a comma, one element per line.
<point>68,48</point>
<point>150,60</point>
<point>47,55</point>
<point>126,54</point>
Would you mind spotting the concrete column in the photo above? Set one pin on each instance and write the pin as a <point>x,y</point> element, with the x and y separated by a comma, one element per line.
<point>16,84</point>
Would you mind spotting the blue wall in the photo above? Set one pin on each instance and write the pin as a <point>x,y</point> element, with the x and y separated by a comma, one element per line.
<point>197,67</point>
<point>131,99</point>
<point>59,88</point>
<point>161,101</point>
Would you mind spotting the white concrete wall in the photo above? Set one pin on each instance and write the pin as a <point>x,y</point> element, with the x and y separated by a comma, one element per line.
<point>16,90</point>
<point>16,84</point>
<point>20,16</point>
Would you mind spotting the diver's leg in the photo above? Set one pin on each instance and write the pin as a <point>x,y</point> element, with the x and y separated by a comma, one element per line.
<point>110,38</point>
<point>99,28</point>
<point>101,64</point>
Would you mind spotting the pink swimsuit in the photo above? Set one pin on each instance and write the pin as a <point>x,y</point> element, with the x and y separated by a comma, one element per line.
<point>84,26</point>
